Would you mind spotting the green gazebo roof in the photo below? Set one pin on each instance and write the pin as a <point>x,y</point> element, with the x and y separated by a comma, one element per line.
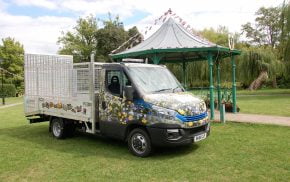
<point>173,43</point>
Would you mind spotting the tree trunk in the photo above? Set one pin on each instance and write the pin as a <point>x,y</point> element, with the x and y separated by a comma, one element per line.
<point>274,82</point>
<point>257,83</point>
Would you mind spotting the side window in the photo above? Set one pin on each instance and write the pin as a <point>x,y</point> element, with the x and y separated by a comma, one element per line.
<point>114,81</point>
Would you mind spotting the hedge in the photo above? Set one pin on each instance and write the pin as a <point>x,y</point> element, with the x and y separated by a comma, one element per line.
<point>9,90</point>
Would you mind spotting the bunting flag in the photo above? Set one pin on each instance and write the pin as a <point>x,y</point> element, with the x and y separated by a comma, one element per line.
<point>164,19</point>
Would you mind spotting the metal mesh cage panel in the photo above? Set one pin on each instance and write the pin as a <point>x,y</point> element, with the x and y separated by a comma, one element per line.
<point>48,75</point>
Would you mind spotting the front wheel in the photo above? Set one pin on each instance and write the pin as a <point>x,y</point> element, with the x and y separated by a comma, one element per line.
<point>139,143</point>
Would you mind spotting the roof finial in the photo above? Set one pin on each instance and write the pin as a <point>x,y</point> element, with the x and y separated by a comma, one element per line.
<point>170,11</point>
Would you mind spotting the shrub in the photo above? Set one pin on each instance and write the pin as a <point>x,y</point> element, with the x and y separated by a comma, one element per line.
<point>9,90</point>
<point>20,90</point>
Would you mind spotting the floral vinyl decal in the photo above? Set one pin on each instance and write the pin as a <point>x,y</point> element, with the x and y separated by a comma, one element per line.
<point>145,111</point>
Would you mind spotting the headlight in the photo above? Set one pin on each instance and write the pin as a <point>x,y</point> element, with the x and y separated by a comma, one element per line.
<point>202,107</point>
<point>164,111</point>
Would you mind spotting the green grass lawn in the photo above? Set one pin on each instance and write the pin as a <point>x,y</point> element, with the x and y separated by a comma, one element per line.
<point>233,152</point>
<point>11,100</point>
<point>265,92</point>
<point>270,105</point>
<point>265,101</point>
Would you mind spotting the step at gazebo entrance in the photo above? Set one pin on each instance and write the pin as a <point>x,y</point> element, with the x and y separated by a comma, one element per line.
<point>172,43</point>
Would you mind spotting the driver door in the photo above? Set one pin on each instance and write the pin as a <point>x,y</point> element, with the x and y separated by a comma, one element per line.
<point>112,102</point>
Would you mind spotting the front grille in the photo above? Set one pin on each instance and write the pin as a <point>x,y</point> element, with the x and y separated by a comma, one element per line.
<point>191,118</point>
<point>196,129</point>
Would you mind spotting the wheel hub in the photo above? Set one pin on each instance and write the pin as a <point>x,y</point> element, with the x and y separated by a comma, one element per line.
<point>56,128</point>
<point>139,143</point>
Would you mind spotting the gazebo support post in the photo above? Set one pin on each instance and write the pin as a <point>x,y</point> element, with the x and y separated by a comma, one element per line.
<point>211,87</point>
<point>156,59</point>
<point>234,86</point>
<point>184,73</point>
<point>219,85</point>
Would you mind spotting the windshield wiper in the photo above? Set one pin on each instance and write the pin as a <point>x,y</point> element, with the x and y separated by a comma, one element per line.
<point>176,88</point>
<point>163,89</point>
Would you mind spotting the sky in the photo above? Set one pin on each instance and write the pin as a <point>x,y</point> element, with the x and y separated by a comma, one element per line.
<point>37,24</point>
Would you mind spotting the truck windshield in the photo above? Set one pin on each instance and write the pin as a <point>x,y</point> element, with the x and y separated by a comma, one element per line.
<point>154,79</point>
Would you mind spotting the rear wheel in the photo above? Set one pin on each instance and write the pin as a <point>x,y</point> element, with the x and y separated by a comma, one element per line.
<point>139,143</point>
<point>57,128</point>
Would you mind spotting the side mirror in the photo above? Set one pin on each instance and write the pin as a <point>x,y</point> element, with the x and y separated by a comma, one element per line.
<point>128,92</point>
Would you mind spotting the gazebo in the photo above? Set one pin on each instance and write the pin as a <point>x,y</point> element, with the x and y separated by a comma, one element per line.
<point>172,43</point>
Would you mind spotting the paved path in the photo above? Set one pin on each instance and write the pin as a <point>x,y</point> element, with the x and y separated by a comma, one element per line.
<point>255,118</point>
<point>11,105</point>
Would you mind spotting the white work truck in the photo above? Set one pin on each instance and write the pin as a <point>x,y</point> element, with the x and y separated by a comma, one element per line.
<point>142,104</point>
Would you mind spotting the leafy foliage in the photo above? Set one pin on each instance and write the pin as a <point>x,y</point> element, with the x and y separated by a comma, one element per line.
<point>110,37</point>
<point>254,60</point>
<point>8,90</point>
<point>12,54</point>
<point>284,48</point>
<point>87,38</point>
<point>82,41</point>
<point>266,30</point>
<point>218,36</point>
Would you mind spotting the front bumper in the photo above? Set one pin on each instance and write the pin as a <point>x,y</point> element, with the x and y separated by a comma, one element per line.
<point>182,136</point>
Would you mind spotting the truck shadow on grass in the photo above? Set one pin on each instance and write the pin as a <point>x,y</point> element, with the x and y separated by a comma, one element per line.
<point>83,145</point>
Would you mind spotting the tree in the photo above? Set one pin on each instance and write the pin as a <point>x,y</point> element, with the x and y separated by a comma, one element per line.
<point>133,31</point>
<point>284,47</point>
<point>256,66</point>
<point>267,33</point>
<point>12,54</point>
<point>218,36</point>
<point>266,30</point>
<point>86,38</point>
<point>135,38</point>
<point>110,37</point>
<point>82,41</point>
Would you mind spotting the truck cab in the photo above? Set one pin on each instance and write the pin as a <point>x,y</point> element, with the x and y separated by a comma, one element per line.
<point>141,104</point>
<point>149,97</point>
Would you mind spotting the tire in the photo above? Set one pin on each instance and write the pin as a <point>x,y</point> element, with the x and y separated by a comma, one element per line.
<point>139,143</point>
<point>57,128</point>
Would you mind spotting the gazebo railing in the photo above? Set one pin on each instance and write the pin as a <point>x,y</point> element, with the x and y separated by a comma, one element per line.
<point>204,93</point>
